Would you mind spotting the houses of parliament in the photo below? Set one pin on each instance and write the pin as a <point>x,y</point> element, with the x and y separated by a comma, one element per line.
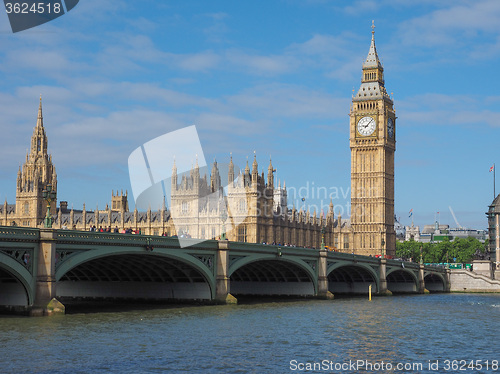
<point>255,208</point>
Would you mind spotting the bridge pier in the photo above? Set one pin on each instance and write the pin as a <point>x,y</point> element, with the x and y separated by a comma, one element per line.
<point>323,292</point>
<point>222,288</point>
<point>383,278</point>
<point>421,280</point>
<point>45,287</point>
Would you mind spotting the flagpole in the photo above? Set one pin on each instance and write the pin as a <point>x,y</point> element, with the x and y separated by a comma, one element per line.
<point>494,193</point>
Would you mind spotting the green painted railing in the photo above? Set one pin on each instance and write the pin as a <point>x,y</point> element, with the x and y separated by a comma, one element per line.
<point>19,233</point>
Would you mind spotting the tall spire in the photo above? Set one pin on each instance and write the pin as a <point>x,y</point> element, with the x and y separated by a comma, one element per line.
<point>372,60</point>
<point>39,139</point>
<point>372,81</point>
<point>39,121</point>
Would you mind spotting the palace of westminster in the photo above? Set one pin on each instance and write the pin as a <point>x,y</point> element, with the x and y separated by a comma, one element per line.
<point>255,208</point>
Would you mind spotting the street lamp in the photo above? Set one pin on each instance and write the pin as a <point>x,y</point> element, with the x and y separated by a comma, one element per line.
<point>223,217</point>
<point>48,196</point>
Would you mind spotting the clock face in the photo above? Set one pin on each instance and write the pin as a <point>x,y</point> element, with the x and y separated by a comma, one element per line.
<point>390,128</point>
<point>366,126</point>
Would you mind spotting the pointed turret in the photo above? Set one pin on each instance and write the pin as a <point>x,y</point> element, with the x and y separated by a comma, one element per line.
<point>96,215</point>
<point>196,167</point>
<point>372,60</point>
<point>255,171</point>
<point>215,181</point>
<point>270,175</point>
<point>230,174</point>
<point>372,82</point>
<point>174,176</point>
<point>255,166</point>
<point>71,217</point>
<point>246,176</point>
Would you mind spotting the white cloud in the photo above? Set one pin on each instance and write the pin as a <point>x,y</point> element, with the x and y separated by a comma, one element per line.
<point>288,101</point>
<point>449,110</point>
<point>447,27</point>
<point>260,64</point>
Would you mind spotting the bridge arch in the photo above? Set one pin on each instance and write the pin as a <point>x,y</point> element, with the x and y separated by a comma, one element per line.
<point>15,283</point>
<point>268,274</point>
<point>349,278</point>
<point>401,280</point>
<point>163,274</point>
<point>434,282</point>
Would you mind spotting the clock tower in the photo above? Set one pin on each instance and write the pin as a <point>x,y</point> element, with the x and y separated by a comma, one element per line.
<point>373,143</point>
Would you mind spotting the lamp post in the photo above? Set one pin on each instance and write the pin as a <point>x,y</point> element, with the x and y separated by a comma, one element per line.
<point>223,217</point>
<point>48,196</point>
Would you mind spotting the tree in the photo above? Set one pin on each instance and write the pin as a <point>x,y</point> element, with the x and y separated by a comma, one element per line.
<point>458,250</point>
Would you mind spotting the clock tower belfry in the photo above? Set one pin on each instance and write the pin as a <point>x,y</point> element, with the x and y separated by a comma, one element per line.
<point>372,143</point>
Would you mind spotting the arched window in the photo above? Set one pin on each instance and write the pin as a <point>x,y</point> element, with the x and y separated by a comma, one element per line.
<point>243,205</point>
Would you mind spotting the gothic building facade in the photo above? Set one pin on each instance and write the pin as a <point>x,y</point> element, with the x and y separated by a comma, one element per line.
<point>252,208</point>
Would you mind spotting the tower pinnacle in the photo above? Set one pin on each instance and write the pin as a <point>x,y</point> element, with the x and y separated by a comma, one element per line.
<point>372,60</point>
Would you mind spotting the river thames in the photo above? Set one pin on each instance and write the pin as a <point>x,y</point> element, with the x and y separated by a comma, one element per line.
<point>439,333</point>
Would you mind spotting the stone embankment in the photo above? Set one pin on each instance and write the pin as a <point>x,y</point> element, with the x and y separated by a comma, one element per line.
<point>468,281</point>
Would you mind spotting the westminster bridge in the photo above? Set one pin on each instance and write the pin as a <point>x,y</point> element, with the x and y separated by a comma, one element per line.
<point>38,265</point>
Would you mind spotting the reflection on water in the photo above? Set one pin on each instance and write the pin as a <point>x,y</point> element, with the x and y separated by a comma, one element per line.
<point>256,338</point>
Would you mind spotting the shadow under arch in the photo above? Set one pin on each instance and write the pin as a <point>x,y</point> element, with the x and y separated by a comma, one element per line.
<point>135,274</point>
<point>353,279</point>
<point>401,281</point>
<point>272,275</point>
<point>434,282</point>
<point>15,283</point>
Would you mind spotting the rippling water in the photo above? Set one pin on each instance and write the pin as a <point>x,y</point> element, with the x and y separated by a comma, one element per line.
<point>260,338</point>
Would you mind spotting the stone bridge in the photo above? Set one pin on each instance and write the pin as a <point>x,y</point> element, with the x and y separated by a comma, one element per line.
<point>37,265</point>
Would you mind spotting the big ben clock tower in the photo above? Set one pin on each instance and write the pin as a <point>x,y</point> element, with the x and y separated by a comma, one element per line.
<point>372,142</point>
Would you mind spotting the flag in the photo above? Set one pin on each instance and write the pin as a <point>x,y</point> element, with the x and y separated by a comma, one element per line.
<point>410,213</point>
<point>492,168</point>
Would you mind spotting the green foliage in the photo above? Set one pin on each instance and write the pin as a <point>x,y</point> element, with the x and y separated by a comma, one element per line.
<point>446,251</point>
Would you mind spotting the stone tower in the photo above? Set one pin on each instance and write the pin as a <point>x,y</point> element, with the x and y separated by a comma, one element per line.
<point>373,143</point>
<point>119,202</point>
<point>34,176</point>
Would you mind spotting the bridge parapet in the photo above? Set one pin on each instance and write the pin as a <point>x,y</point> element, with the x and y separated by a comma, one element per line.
<point>10,233</point>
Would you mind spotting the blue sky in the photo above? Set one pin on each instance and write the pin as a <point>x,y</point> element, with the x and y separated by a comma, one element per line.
<point>274,77</point>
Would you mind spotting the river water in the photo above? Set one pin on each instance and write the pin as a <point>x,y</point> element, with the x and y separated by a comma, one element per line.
<point>420,333</point>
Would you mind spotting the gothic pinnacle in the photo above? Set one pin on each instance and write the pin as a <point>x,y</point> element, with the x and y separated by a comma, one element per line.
<point>39,122</point>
